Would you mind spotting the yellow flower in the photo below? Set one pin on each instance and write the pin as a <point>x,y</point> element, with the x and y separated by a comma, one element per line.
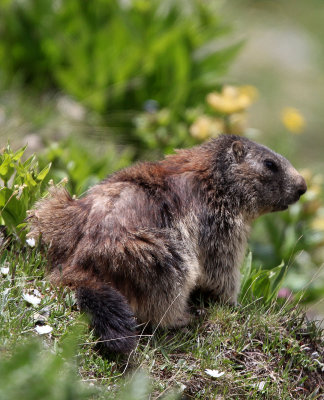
<point>311,206</point>
<point>205,127</point>
<point>311,178</point>
<point>250,91</point>
<point>232,99</point>
<point>307,174</point>
<point>314,184</point>
<point>293,120</point>
<point>318,224</point>
<point>312,199</point>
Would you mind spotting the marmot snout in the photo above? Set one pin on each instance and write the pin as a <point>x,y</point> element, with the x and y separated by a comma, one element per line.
<point>142,240</point>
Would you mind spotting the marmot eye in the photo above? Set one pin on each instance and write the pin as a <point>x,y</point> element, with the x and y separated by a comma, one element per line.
<point>271,165</point>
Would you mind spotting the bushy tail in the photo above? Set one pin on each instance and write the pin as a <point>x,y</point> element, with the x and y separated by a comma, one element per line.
<point>58,218</point>
<point>111,317</point>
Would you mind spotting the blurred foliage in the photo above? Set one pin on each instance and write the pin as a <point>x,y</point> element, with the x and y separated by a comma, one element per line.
<point>75,162</point>
<point>115,55</point>
<point>20,185</point>
<point>293,120</point>
<point>33,372</point>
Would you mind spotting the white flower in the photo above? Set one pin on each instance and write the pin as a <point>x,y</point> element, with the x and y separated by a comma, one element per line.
<point>31,299</point>
<point>4,270</point>
<point>260,385</point>
<point>320,364</point>
<point>214,373</point>
<point>43,329</point>
<point>182,387</point>
<point>37,292</point>
<point>31,242</point>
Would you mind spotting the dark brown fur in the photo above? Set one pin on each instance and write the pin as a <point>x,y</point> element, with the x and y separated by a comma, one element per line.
<point>143,239</point>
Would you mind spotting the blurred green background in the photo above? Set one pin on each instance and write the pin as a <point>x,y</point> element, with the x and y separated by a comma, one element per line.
<point>93,86</point>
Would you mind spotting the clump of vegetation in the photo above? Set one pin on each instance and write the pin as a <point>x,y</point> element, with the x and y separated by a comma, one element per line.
<point>77,164</point>
<point>115,55</point>
<point>35,373</point>
<point>21,184</point>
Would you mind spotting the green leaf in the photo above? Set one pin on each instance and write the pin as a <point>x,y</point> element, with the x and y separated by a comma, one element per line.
<point>41,176</point>
<point>6,169</point>
<point>260,283</point>
<point>17,156</point>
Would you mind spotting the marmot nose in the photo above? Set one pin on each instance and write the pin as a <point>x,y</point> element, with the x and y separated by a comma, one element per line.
<point>301,186</point>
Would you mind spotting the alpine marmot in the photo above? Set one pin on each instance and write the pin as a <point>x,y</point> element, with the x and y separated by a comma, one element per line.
<point>138,243</point>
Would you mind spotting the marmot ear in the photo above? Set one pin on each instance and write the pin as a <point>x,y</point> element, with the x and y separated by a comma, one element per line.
<point>238,150</point>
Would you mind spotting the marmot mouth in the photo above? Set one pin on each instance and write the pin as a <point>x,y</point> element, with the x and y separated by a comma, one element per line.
<point>280,207</point>
<point>289,202</point>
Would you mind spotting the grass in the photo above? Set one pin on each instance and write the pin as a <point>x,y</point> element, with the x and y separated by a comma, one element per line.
<point>270,352</point>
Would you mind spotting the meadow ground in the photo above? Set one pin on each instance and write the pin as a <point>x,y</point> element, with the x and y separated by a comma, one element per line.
<point>252,351</point>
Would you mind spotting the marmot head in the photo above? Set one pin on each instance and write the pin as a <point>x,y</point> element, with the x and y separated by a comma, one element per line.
<point>263,180</point>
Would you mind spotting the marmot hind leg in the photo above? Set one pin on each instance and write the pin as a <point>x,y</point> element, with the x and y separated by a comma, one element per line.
<point>169,310</point>
<point>111,317</point>
<point>227,288</point>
